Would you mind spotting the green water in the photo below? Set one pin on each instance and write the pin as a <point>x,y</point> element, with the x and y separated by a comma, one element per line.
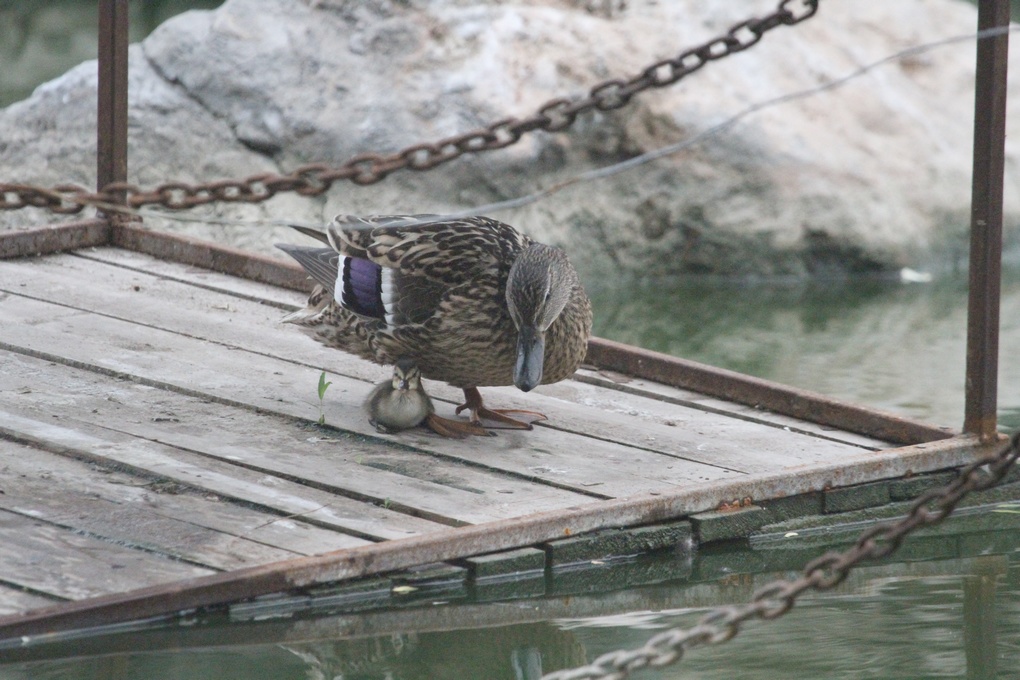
<point>894,346</point>
<point>950,610</point>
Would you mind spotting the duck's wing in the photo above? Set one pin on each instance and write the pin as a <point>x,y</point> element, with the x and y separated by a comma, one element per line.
<point>356,284</point>
<point>398,268</point>
<point>442,251</point>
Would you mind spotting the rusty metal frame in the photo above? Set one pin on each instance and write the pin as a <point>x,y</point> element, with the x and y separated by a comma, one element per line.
<point>979,423</point>
<point>55,238</point>
<point>223,259</point>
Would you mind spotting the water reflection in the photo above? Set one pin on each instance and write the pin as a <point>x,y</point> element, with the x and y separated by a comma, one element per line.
<point>951,610</point>
<point>519,652</point>
<point>898,347</point>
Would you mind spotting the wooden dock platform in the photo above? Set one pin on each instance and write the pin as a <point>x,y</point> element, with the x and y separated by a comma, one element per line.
<point>159,448</point>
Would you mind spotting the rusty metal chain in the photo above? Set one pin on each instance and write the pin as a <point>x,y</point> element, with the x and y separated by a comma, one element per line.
<point>315,178</point>
<point>775,599</point>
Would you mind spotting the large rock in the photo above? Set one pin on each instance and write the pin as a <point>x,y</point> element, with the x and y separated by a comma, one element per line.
<point>873,175</point>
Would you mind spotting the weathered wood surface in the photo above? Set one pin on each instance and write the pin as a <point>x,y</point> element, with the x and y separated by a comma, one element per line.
<point>44,557</point>
<point>157,422</point>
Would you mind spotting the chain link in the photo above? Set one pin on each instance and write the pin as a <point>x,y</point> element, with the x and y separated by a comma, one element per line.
<point>315,178</point>
<point>775,599</point>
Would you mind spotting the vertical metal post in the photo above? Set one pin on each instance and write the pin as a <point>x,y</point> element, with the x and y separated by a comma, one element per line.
<point>986,223</point>
<point>111,135</point>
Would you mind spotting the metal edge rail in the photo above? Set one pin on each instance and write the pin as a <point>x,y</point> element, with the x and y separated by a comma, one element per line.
<point>54,238</point>
<point>759,393</point>
<point>218,258</point>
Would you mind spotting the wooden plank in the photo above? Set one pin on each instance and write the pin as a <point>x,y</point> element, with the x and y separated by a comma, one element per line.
<point>16,600</point>
<point>645,391</point>
<point>135,527</point>
<point>202,472</point>
<point>631,386</point>
<point>88,442</point>
<point>26,376</point>
<point>57,562</point>
<point>695,435</point>
<point>151,514</point>
<point>212,370</point>
<point>284,450</point>
<point>197,276</point>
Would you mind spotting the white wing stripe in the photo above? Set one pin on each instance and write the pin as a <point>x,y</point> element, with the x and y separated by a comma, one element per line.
<point>388,295</point>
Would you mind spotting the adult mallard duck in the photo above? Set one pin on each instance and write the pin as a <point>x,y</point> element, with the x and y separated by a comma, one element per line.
<point>471,302</point>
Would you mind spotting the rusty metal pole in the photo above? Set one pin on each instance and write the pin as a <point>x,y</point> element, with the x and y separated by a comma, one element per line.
<point>986,223</point>
<point>111,134</point>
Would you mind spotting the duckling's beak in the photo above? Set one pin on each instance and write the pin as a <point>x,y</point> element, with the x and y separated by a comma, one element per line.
<point>403,384</point>
<point>530,356</point>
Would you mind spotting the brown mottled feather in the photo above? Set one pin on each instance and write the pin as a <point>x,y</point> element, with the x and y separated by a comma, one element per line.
<point>462,332</point>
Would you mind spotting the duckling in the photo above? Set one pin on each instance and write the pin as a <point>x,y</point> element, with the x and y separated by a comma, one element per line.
<point>401,402</point>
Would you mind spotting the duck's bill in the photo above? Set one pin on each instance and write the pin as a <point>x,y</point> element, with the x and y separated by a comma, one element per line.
<point>530,355</point>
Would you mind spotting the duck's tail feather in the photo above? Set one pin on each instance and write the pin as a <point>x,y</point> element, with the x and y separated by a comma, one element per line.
<point>322,264</point>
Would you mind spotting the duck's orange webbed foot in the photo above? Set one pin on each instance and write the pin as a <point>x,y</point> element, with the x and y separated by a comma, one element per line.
<point>455,429</point>
<point>506,419</point>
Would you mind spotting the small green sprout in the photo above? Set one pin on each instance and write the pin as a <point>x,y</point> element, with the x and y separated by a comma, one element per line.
<point>323,386</point>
